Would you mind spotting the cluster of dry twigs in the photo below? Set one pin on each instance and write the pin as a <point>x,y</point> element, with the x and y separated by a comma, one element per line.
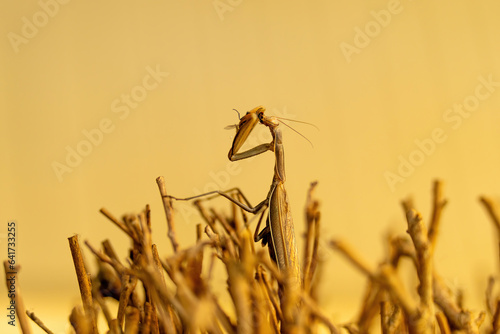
<point>175,294</point>
<point>438,308</point>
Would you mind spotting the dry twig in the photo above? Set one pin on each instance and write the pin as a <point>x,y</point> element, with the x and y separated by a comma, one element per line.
<point>83,281</point>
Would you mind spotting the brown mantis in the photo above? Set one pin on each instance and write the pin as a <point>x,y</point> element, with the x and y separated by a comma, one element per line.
<point>279,232</point>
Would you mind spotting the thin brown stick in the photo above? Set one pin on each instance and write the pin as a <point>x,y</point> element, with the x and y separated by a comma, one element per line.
<point>149,311</point>
<point>239,289</point>
<point>490,298</point>
<point>109,250</point>
<point>442,322</point>
<point>265,260</point>
<point>167,204</point>
<point>84,281</point>
<point>115,221</point>
<point>384,317</point>
<point>438,204</point>
<point>319,313</point>
<point>268,297</point>
<point>80,322</point>
<point>385,276</point>
<point>199,232</point>
<point>310,215</point>
<point>205,214</point>
<point>147,212</point>
<point>353,257</point>
<point>150,276</point>
<point>157,263</point>
<point>39,322</point>
<point>133,317</point>
<point>457,318</point>
<point>315,255</point>
<point>147,239</point>
<point>407,204</point>
<point>418,233</point>
<point>388,278</point>
<point>270,293</point>
<point>492,210</point>
<point>372,296</point>
<point>352,328</point>
<point>134,227</point>
<point>167,315</point>
<point>390,317</point>
<point>375,294</point>
<point>496,319</point>
<point>105,309</point>
<point>128,285</point>
<point>222,317</point>
<point>228,228</point>
<point>114,328</point>
<point>120,269</point>
<point>425,319</point>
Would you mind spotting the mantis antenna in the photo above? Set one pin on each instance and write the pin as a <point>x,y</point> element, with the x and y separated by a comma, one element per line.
<point>238,113</point>
<point>297,121</point>
<point>300,134</point>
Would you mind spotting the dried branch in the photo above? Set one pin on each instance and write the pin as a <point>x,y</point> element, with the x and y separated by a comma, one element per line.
<point>128,285</point>
<point>39,322</point>
<point>263,298</point>
<point>496,319</point>
<point>167,204</point>
<point>372,296</point>
<point>418,233</point>
<point>490,299</point>
<point>84,281</point>
<point>132,319</point>
<point>442,322</point>
<point>390,317</point>
<point>115,221</point>
<point>353,257</point>
<point>385,276</point>
<point>81,323</point>
<point>492,211</point>
<point>317,312</point>
<point>438,204</point>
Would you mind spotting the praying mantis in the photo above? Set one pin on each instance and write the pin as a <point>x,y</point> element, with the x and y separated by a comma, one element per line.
<point>279,231</point>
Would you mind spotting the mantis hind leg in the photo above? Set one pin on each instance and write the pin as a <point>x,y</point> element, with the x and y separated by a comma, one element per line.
<point>245,205</point>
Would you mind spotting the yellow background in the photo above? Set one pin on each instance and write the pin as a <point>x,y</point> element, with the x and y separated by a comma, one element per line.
<point>370,106</point>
